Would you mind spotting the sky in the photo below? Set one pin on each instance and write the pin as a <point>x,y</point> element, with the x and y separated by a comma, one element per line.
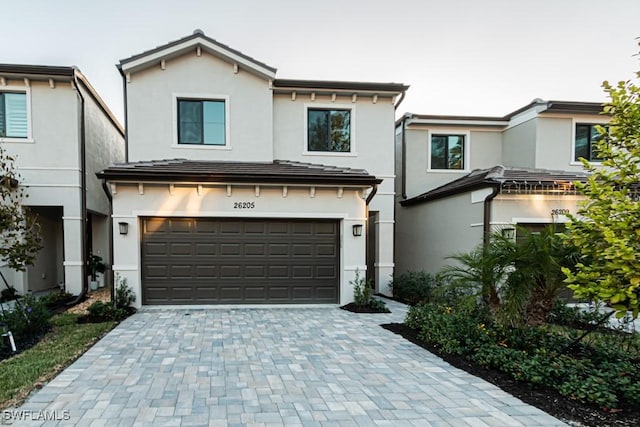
<point>460,57</point>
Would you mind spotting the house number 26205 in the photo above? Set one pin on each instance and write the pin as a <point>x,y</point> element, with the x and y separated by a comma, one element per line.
<point>244,205</point>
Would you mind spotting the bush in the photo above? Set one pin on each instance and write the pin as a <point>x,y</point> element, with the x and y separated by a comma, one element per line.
<point>598,375</point>
<point>8,294</point>
<point>101,311</point>
<point>28,319</point>
<point>414,287</point>
<point>361,291</point>
<point>55,299</point>
<point>124,296</point>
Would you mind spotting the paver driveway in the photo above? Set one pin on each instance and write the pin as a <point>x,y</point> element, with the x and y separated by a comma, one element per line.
<point>293,366</point>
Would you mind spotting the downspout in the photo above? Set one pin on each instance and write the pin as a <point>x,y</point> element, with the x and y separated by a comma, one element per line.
<point>486,224</point>
<point>126,116</point>
<point>83,195</point>
<point>105,187</point>
<point>403,146</point>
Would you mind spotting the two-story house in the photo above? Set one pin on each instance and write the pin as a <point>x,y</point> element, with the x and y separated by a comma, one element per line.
<point>460,178</point>
<point>60,133</point>
<point>240,187</point>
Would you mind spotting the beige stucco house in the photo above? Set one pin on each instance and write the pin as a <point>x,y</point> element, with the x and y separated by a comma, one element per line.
<point>60,132</point>
<point>460,178</point>
<point>240,187</point>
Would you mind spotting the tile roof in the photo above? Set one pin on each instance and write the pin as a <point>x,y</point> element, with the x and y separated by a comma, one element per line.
<point>278,171</point>
<point>503,177</point>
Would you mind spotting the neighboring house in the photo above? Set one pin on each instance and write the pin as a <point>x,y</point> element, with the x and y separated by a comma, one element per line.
<point>460,178</point>
<point>243,188</point>
<point>60,132</point>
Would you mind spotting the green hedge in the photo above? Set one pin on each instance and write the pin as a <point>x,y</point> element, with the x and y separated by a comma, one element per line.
<point>604,376</point>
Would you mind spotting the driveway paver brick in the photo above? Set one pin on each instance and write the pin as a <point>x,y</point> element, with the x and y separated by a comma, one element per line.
<point>318,366</point>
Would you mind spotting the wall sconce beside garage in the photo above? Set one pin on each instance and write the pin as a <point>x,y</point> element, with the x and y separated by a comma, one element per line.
<point>357,230</point>
<point>124,228</point>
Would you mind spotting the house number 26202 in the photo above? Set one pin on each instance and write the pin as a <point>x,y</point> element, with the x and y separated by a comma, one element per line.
<point>244,205</point>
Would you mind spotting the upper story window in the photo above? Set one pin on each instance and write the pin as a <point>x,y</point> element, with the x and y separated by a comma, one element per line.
<point>447,151</point>
<point>13,115</point>
<point>201,122</point>
<point>329,130</point>
<point>587,137</point>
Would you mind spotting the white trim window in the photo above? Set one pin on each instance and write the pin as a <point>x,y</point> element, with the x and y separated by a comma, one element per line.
<point>201,121</point>
<point>14,115</point>
<point>329,129</point>
<point>448,151</point>
<point>586,137</point>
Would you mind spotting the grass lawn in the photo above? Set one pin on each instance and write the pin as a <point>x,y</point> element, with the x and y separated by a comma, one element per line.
<point>29,370</point>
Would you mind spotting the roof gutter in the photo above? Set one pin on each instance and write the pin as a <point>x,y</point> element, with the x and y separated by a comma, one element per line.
<point>486,224</point>
<point>372,194</point>
<point>403,147</point>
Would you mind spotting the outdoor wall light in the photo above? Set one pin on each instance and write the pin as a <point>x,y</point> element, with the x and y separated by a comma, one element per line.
<point>124,228</point>
<point>508,233</point>
<point>357,230</point>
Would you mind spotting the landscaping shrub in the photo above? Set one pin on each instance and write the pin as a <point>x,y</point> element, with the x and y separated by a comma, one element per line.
<point>124,296</point>
<point>118,309</point>
<point>361,291</point>
<point>27,320</point>
<point>414,287</point>
<point>56,299</point>
<point>601,375</point>
<point>101,311</point>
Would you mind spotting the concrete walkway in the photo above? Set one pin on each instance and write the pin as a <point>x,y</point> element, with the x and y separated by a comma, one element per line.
<point>262,367</point>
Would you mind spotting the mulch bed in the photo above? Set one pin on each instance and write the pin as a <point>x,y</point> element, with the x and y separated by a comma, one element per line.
<point>352,307</point>
<point>547,399</point>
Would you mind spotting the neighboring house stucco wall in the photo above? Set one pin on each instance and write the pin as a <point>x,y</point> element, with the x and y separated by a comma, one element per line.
<point>151,110</point>
<point>213,202</point>
<point>519,145</point>
<point>427,233</point>
<point>485,148</point>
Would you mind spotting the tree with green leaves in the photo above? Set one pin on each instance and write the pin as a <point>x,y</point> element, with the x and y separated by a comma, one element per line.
<point>606,229</point>
<point>19,232</point>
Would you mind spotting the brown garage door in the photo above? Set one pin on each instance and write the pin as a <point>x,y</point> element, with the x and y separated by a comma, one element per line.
<point>229,261</point>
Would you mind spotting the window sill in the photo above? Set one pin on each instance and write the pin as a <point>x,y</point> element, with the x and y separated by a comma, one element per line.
<point>23,140</point>
<point>448,170</point>
<point>591,162</point>
<point>329,153</point>
<point>201,147</point>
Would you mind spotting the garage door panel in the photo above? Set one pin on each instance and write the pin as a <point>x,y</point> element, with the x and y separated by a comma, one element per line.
<point>181,249</point>
<point>206,249</point>
<point>302,249</point>
<point>278,249</point>
<point>326,272</point>
<point>230,271</point>
<point>206,271</point>
<point>325,250</point>
<point>180,226</point>
<point>239,261</point>
<point>254,249</point>
<point>230,249</point>
<point>177,271</point>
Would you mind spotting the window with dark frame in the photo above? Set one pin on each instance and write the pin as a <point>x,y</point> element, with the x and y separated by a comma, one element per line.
<point>201,121</point>
<point>587,137</point>
<point>13,115</point>
<point>447,152</point>
<point>329,130</point>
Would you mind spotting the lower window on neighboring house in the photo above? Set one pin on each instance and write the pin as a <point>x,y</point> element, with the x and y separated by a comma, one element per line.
<point>201,122</point>
<point>13,115</point>
<point>329,130</point>
<point>587,136</point>
<point>447,151</point>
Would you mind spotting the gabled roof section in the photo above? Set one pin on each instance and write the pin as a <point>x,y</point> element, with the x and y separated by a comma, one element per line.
<point>58,74</point>
<point>508,179</point>
<point>191,43</point>
<point>276,172</point>
<point>539,106</point>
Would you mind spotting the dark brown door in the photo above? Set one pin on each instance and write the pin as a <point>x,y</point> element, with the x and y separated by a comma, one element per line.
<point>230,261</point>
